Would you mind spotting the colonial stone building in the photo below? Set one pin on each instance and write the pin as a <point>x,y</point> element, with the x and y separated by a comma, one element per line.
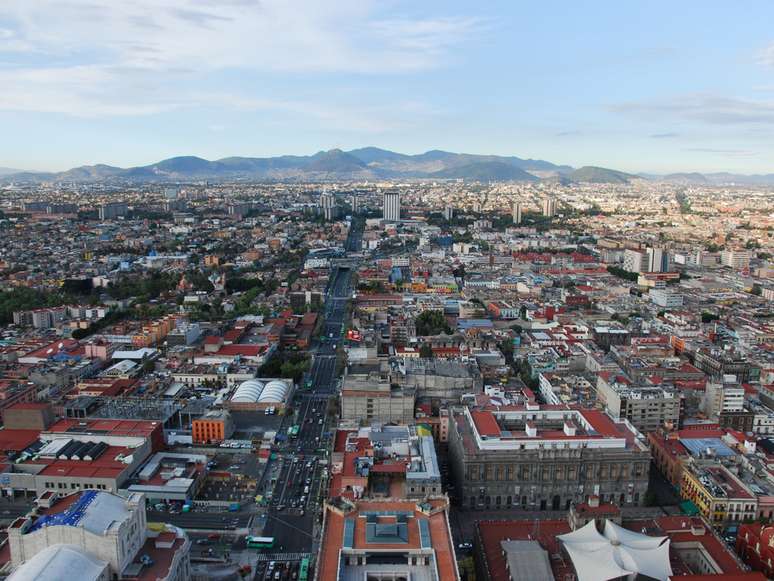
<point>545,458</point>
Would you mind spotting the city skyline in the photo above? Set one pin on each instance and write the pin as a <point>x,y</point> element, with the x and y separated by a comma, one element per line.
<point>640,89</point>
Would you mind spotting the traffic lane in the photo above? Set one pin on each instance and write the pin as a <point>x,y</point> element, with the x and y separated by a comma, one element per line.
<point>292,532</point>
<point>216,521</point>
<point>221,542</point>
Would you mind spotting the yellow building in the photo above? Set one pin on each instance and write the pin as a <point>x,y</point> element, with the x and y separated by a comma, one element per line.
<point>719,495</point>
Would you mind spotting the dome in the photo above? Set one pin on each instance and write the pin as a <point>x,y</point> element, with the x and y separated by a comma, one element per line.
<point>274,392</point>
<point>58,562</point>
<point>248,392</point>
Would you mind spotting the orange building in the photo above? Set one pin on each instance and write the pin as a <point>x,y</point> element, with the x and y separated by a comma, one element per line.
<point>214,426</point>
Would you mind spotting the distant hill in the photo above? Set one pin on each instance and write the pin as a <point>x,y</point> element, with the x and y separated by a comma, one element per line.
<point>4,171</point>
<point>335,161</point>
<point>486,171</point>
<point>686,177</point>
<point>599,175</point>
<point>718,178</point>
<point>366,163</point>
<point>436,160</point>
<point>731,178</point>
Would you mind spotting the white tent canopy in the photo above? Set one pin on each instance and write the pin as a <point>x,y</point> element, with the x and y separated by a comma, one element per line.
<point>617,552</point>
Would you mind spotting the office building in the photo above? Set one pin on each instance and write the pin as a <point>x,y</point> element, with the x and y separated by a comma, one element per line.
<point>547,457</point>
<point>367,395</point>
<point>723,395</point>
<point>391,207</point>
<point>666,298</point>
<point>647,408</point>
<point>448,213</point>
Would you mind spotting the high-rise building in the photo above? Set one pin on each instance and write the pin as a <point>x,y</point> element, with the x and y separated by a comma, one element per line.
<point>355,203</point>
<point>516,212</point>
<point>328,205</point>
<point>634,261</point>
<point>448,213</point>
<point>657,260</point>
<point>112,210</point>
<point>736,259</point>
<point>549,208</point>
<point>391,207</point>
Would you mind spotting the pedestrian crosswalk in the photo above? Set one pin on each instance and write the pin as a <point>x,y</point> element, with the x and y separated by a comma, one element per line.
<point>282,556</point>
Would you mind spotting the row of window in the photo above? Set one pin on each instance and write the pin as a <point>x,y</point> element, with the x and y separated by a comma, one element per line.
<point>530,472</point>
<point>74,486</point>
<point>555,503</point>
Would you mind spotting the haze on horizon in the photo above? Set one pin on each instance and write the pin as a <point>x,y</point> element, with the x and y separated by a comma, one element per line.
<point>658,87</point>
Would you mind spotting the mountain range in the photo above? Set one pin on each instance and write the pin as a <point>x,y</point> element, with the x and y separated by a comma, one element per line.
<point>368,163</point>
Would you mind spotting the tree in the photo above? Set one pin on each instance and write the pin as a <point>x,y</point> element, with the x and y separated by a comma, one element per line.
<point>506,348</point>
<point>432,323</point>
<point>426,351</point>
<point>621,273</point>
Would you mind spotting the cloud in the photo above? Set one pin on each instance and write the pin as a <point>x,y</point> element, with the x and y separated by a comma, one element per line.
<point>724,152</point>
<point>107,58</point>
<point>766,56</point>
<point>568,133</point>
<point>668,135</point>
<point>706,109</point>
<point>270,35</point>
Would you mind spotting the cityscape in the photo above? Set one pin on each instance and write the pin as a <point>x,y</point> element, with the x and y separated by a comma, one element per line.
<point>338,361</point>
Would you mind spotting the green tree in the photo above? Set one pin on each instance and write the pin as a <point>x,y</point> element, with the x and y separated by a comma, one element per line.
<point>426,351</point>
<point>432,323</point>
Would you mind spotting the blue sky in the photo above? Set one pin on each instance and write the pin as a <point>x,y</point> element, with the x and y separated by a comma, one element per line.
<point>638,86</point>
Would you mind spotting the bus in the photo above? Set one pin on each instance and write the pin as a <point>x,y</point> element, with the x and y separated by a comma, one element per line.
<point>303,570</point>
<point>259,542</point>
<point>293,431</point>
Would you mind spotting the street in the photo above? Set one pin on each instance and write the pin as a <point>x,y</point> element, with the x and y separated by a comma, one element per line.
<point>297,478</point>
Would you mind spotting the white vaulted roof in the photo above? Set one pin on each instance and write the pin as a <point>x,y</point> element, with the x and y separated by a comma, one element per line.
<point>617,552</point>
<point>58,562</point>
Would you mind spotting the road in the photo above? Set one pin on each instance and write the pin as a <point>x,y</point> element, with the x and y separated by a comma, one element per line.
<point>297,479</point>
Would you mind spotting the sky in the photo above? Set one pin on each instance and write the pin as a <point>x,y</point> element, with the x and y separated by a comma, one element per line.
<point>636,86</point>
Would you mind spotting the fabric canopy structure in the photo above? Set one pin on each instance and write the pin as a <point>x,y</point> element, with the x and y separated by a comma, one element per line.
<point>616,552</point>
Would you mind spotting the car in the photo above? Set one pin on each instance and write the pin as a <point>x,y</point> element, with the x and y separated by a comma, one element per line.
<point>465,546</point>
<point>202,542</point>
